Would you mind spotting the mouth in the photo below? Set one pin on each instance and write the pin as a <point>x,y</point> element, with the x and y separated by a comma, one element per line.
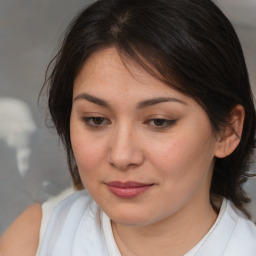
<point>128,189</point>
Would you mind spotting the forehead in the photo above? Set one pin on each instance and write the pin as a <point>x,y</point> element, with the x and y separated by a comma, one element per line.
<point>105,70</point>
<point>107,63</point>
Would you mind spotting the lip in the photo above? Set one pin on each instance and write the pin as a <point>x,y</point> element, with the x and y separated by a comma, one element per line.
<point>128,189</point>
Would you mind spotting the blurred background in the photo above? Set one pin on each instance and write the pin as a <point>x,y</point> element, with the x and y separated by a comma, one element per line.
<point>32,161</point>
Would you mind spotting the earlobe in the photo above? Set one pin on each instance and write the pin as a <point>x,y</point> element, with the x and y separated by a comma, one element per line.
<point>229,137</point>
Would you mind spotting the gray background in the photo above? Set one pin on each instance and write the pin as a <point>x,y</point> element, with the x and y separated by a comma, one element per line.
<point>32,161</point>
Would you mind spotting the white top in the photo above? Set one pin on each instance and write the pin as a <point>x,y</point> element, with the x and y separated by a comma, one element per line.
<point>78,227</point>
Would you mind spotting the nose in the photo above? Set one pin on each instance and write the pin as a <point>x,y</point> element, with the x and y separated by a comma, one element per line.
<point>125,150</point>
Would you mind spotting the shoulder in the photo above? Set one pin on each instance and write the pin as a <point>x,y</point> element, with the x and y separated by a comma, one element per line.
<point>243,240</point>
<point>242,222</point>
<point>76,200</point>
<point>65,222</point>
<point>73,205</point>
<point>50,207</point>
<point>232,234</point>
<point>22,237</point>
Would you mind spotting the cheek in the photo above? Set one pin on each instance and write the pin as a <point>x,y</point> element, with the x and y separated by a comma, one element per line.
<point>88,158</point>
<point>183,168</point>
<point>183,156</point>
<point>88,152</point>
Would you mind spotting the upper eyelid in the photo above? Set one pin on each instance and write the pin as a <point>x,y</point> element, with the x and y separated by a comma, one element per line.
<point>160,116</point>
<point>167,120</point>
<point>168,123</point>
<point>91,117</point>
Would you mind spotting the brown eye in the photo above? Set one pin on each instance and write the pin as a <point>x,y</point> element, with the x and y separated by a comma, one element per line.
<point>160,122</point>
<point>96,121</point>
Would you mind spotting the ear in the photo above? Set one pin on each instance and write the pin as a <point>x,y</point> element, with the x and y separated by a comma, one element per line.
<point>229,138</point>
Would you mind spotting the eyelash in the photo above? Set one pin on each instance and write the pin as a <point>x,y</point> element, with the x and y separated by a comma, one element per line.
<point>164,123</point>
<point>90,121</point>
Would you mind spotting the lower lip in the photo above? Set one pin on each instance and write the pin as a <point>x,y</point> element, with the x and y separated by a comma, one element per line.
<point>128,192</point>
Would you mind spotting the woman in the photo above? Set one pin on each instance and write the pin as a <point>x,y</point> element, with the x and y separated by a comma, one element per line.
<point>153,104</point>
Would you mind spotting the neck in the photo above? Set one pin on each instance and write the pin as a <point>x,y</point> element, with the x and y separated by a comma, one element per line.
<point>175,235</point>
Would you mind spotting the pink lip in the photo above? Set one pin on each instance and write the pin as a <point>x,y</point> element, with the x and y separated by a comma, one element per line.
<point>127,189</point>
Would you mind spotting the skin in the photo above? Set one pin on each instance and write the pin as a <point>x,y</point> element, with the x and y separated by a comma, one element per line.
<point>166,143</point>
<point>22,236</point>
<point>116,136</point>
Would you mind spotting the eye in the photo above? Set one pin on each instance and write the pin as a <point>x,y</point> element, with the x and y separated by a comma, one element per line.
<point>160,122</point>
<point>96,121</point>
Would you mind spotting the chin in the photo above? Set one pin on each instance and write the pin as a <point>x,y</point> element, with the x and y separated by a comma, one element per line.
<point>130,218</point>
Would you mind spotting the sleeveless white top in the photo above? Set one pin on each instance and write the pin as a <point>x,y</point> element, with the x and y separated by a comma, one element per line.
<point>78,227</point>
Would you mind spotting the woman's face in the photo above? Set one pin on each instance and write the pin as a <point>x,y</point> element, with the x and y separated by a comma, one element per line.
<point>144,150</point>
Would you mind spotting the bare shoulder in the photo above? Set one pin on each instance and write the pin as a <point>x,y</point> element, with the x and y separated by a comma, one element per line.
<point>22,237</point>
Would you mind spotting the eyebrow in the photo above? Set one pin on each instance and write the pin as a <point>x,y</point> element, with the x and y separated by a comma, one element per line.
<point>92,99</point>
<point>140,105</point>
<point>154,101</point>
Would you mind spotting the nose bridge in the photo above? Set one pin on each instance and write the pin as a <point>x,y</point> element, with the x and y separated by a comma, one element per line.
<point>125,149</point>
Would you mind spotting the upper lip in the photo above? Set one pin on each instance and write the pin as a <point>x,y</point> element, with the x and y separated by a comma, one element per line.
<point>127,184</point>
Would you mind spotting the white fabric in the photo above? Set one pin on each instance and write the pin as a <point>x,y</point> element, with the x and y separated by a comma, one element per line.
<point>77,227</point>
<point>48,206</point>
<point>108,234</point>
